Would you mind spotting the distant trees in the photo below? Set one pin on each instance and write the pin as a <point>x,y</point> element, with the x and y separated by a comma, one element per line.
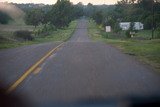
<point>78,10</point>
<point>60,15</point>
<point>128,11</point>
<point>89,10</point>
<point>98,17</point>
<point>34,17</point>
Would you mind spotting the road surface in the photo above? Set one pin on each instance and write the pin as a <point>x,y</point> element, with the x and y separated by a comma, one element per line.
<point>80,69</point>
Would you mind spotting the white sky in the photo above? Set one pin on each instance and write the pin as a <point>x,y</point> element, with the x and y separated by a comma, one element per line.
<point>53,1</point>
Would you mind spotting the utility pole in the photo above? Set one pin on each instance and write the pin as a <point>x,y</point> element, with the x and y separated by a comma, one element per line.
<point>153,19</point>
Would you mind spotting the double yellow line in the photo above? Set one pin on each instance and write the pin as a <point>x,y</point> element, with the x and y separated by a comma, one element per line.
<point>31,69</point>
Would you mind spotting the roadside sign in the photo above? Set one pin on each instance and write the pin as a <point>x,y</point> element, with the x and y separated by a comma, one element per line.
<point>108,28</point>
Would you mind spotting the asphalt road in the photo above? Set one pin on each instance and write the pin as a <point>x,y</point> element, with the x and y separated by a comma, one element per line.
<point>14,62</point>
<point>80,69</point>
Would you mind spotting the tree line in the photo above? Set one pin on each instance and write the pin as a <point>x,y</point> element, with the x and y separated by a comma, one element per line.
<point>63,12</point>
<point>145,11</point>
<point>59,15</point>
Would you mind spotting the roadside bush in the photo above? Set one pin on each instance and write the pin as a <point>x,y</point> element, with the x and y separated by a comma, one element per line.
<point>23,35</point>
<point>104,34</point>
<point>128,34</point>
<point>148,23</point>
<point>117,28</point>
<point>158,33</point>
<point>2,39</point>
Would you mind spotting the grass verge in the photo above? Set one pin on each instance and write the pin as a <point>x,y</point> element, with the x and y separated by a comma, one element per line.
<point>58,35</point>
<point>147,51</point>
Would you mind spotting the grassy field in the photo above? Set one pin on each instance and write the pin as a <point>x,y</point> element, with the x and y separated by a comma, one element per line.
<point>7,40</point>
<point>147,51</point>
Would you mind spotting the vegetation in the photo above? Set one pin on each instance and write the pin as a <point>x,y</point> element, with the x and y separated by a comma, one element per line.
<point>23,35</point>
<point>51,22</point>
<point>145,50</point>
<point>34,17</point>
<point>145,11</point>
<point>8,40</point>
<point>61,13</point>
<point>141,45</point>
<point>59,16</point>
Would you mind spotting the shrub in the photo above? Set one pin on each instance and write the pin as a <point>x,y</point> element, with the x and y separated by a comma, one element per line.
<point>128,34</point>
<point>23,35</point>
<point>117,28</point>
<point>158,33</point>
<point>2,39</point>
<point>104,34</point>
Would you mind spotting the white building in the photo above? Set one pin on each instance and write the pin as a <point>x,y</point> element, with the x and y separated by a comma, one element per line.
<point>126,25</point>
<point>138,26</point>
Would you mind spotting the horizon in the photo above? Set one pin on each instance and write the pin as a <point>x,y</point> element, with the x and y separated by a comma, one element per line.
<point>85,2</point>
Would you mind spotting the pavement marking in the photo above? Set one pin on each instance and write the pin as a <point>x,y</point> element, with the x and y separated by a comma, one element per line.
<point>53,55</point>
<point>37,71</point>
<point>30,70</point>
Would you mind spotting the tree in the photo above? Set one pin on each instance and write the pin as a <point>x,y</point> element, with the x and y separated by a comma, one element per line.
<point>89,10</point>
<point>126,1</point>
<point>61,13</point>
<point>146,4</point>
<point>34,17</point>
<point>78,10</point>
<point>45,19</point>
<point>98,17</point>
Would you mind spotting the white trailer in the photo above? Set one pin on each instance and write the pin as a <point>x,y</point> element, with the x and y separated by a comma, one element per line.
<point>138,26</point>
<point>127,25</point>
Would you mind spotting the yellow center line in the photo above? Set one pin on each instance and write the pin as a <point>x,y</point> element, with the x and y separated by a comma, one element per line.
<point>37,70</point>
<point>30,70</point>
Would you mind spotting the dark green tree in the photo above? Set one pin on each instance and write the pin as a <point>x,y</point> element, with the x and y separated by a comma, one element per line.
<point>98,17</point>
<point>61,13</point>
<point>78,10</point>
<point>34,17</point>
<point>89,10</point>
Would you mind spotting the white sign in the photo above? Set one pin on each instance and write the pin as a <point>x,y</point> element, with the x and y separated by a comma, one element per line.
<point>108,28</point>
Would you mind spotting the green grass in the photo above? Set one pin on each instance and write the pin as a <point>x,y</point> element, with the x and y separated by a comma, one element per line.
<point>59,35</point>
<point>147,34</point>
<point>147,51</point>
<point>93,31</point>
<point>144,34</point>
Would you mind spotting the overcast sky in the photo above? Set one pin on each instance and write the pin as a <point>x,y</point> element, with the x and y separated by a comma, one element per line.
<point>53,1</point>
